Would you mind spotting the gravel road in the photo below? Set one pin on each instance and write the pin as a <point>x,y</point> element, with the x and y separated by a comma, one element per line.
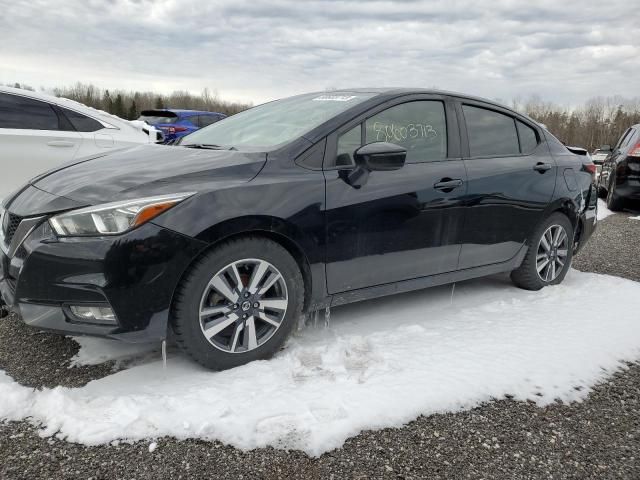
<point>598,438</point>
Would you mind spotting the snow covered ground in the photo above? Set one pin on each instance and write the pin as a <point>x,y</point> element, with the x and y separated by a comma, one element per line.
<point>603,211</point>
<point>380,363</point>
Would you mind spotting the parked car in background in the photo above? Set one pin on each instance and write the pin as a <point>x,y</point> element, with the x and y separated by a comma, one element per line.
<point>290,207</point>
<point>39,132</point>
<point>620,177</point>
<point>599,154</point>
<point>176,124</point>
<point>598,157</point>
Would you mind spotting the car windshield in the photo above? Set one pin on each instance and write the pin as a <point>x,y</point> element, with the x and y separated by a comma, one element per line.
<point>277,122</point>
<point>155,117</point>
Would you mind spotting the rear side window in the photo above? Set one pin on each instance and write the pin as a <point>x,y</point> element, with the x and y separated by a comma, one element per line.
<point>81,122</point>
<point>26,113</point>
<point>490,133</point>
<point>528,137</point>
<point>418,126</point>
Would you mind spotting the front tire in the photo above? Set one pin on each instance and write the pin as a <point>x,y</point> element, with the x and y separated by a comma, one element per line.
<point>238,303</point>
<point>549,256</point>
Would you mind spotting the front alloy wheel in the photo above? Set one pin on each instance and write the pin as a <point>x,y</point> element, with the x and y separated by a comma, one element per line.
<point>553,250</point>
<point>239,302</point>
<point>243,305</point>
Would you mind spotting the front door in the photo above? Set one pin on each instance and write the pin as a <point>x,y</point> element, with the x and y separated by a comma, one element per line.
<point>402,224</point>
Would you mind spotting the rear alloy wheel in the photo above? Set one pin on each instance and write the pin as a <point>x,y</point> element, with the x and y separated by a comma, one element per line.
<point>549,255</point>
<point>614,202</point>
<point>243,311</point>
<point>553,250</point>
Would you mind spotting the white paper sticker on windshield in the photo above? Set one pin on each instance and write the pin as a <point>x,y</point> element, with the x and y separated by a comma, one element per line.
<point>334,98</point>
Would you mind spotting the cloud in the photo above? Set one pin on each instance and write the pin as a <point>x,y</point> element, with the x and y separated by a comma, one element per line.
<point>564,51</point>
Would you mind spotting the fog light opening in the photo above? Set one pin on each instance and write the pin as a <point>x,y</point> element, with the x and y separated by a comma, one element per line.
<point>93,314</point>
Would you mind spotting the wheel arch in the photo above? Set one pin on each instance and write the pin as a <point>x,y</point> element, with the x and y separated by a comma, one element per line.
<point>275,229</point>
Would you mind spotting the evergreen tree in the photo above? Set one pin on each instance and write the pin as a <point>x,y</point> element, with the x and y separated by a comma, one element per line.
<point>132,114</point>
<point>159,102</point>
<point>118,107</point>
<point>107,103</point>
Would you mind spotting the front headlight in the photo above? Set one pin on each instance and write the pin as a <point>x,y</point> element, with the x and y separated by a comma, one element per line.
<point>114,218</point>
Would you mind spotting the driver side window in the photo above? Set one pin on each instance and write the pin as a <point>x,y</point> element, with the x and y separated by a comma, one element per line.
<point>348,143</point>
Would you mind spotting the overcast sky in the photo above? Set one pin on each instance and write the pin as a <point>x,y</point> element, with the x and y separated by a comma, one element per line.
<point>564,50</point>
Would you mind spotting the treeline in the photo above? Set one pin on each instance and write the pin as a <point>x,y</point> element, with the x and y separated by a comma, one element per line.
<point>600,121</point>
<point>129,104</point>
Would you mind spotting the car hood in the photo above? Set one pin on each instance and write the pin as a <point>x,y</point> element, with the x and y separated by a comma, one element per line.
<point>149,170</point>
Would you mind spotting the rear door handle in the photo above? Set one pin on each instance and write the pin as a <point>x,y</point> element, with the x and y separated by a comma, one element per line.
<point>541,167</point>
<point>60,143</point>
<point>447,185</point>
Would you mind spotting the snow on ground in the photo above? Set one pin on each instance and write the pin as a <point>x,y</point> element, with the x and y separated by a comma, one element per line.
<point>94,351</point>
<point>603,211</point>
<point>635,218</point>
<point>381,363</point>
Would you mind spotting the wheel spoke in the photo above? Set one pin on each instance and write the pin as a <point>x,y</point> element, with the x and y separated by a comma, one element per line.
<point>273,278</point>
<point>210,311</point>
<point>236,335</point>
<point>545,243</point>
<point>552,269</point>
<point>258,274</point>
<point>220,285</point>
<point>278,304</point>
<point>236,277</point>
<point>555,235</point>
<point>250,334</point>
<point>542,265</point>
<point>562,253</point>
<point>265,318</point>
<point>561,237</point>
<point>218,325</point>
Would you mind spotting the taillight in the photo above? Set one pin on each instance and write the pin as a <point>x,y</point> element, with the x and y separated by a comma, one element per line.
<point>635,151</point>
<point>591,168</point>
<point>177,129</point>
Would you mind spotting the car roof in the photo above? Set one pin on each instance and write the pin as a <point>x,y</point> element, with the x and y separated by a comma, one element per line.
<point>398,91</point>
<point>70,104</point>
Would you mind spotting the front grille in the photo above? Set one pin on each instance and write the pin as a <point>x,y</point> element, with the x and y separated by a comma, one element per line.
<point>9,226</point>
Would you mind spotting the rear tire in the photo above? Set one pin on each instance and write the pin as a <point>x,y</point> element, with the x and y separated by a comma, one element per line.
<point>534,273</point>
<point>614,202</point>
<point>252,319</point>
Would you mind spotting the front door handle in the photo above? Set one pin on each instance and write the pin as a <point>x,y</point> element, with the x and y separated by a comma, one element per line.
<point>541,167</point>
<point>447,184</point>
<point>60,143</point>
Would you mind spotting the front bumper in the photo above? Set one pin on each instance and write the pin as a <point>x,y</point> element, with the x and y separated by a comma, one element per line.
<point>135,274</point>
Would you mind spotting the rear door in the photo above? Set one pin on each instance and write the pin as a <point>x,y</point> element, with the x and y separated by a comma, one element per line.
<point>400,224</point>
<point>511,180</point>
<point>32,140</point>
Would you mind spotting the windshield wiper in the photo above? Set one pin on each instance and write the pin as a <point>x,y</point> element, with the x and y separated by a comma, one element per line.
<point>205,146</point>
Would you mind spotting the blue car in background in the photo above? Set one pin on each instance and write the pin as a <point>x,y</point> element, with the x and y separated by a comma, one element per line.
<point>176,124</point>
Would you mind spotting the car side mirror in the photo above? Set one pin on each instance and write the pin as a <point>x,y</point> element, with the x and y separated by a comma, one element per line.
<point>380,156</point>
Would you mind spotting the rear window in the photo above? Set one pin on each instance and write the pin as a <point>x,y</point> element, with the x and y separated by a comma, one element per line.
<point>154,117</point>
<point>25,113</point>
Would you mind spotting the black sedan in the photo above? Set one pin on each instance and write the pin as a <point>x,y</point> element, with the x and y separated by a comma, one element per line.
<point>291,207</point>
<point>619,179</point>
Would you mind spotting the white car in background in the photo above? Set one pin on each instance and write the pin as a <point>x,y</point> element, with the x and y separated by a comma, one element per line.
<point>39,132</point>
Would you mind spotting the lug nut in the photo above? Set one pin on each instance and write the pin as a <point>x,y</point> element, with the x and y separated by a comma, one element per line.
<point>245,315</point>
<point>235,306</point>
<point>256,305</point>
<point>246,294</point>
